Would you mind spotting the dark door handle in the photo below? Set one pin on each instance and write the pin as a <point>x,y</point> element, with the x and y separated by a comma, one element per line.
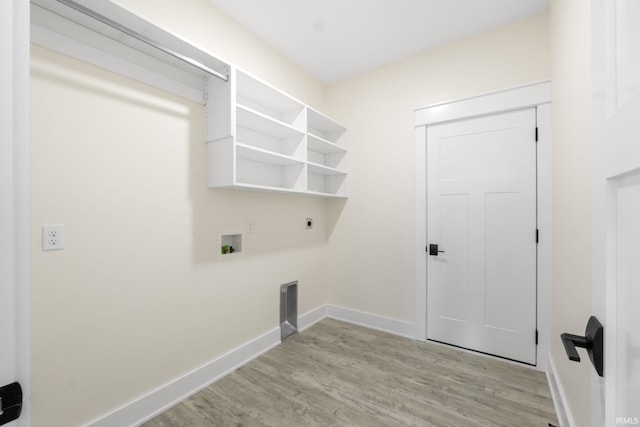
<point>592,341</point>
<point>433,250</point>
<point>10,403</point>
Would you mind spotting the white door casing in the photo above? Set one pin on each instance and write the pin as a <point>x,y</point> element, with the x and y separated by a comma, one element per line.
<point>14,253</point>
<point>535,95</point>
<point>481,210</point>
<point>616,208</point>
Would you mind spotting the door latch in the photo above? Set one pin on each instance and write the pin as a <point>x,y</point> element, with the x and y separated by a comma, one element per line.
<point>10,403</point>
<point>433,250</point>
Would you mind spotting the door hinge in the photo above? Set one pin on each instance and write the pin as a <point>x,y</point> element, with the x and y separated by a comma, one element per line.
<point>537,236</point>
<point>10,403</point>
<point>536,337</point>
<point>536,134</point>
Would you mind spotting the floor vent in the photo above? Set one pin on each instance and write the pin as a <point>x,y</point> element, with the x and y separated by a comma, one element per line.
<point>288,309</point>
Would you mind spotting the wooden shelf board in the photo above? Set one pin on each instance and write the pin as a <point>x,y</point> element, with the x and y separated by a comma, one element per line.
<point>264,156</point>
<point>317,120</point>
<point>254,120</point>
<point>322,194</point>
<point>255,187</point>
<point>323,170</point>
<point>263,188</point>
<point>317,143</point>
<point>251,88</point>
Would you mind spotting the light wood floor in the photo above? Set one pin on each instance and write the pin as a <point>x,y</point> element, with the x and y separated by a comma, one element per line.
<point>338,374</point>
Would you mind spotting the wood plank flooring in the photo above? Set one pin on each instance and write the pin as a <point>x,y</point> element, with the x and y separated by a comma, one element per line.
<point>338,374</point>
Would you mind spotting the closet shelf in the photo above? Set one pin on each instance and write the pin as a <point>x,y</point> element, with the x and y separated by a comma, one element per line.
<point>264,156</point>
<point>325,195</point>
<point>271,141</point>
<point>254,120</point>
<point>249,87</point>
<point>321,145</point>
<point>255,187</point>
<point>323,170</point>
<point>264,188</point>
<point>111,37</point>
<point>323,124</point>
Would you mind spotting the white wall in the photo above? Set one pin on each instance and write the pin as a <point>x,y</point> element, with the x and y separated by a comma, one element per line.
<point>372,244</point>
<point>139,297</point>
<point>570,27</point>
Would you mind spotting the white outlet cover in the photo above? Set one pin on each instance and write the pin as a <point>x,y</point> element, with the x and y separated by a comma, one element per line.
<point>52,237</point>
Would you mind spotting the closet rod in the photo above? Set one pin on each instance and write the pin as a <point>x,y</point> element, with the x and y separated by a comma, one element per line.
<point>142,38</point>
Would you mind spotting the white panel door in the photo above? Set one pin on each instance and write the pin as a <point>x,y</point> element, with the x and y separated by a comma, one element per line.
<point>481,211</point>
<point>616,216</point>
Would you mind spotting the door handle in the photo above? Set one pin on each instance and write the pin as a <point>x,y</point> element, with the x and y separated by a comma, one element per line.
<point>10,403</point>
<point>433,250</point>
<point>592,341</point>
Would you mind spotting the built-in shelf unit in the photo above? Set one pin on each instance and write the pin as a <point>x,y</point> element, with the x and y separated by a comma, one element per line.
<point>263,139</point>
<point>258,137</point>
<point>326,155</point>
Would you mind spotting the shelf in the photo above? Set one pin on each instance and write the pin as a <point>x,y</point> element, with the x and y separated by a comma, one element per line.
<point>263,188</point>
<point>264,156</point>
<point>255,187</point>
<point>113,38</point>
<point>322,123</point>
<point>326,185</point>
<point>321,145</point>
<point>322,194</point>
<point>250,88</point>
<point>323,170</point>
<point>258,173</point>
<point>335,160</point>
<point>268,142</point>
<point>254,120</point>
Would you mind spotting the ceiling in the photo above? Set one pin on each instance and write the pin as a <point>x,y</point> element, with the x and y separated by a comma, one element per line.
<point>337,39</point>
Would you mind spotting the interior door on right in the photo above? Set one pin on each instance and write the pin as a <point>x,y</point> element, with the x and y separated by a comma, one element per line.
<point>616,214</point>
<point>481,211</point>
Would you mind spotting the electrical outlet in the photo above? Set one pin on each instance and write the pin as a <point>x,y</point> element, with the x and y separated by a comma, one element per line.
<point>248,227</point>
<point>52,237</point>
<point>308,223</point>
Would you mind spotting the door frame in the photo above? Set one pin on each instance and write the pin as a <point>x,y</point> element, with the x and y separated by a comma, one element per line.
<point>535,95</point>
<point>15,196</point>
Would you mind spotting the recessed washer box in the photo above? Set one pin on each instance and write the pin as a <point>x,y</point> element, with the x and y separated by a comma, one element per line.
<point>230,244</point>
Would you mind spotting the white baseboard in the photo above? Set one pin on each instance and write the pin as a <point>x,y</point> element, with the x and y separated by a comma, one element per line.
<point>361,318</point>
<point>312,317</point>
<point>372,321</point>
<point>558,395</point>
<point>161,399</point>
